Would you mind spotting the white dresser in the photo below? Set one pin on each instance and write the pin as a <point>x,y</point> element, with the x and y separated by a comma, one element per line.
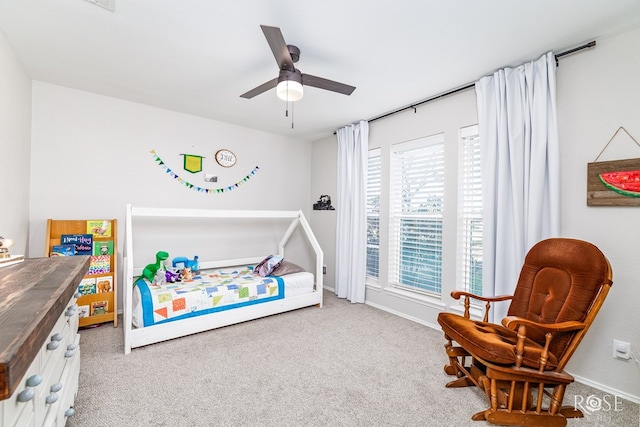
<point>39,341</point>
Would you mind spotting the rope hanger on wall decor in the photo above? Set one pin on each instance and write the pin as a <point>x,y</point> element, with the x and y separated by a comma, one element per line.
<point>612,138</point>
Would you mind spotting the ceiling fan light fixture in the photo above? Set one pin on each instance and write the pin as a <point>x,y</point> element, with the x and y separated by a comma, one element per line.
<point>290,86</point>
<point>289,90</point>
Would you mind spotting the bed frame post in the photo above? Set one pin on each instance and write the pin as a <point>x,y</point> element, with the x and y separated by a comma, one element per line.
<point>128,281</point>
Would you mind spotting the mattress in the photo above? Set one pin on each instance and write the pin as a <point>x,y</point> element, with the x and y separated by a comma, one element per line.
<point>233,288</point>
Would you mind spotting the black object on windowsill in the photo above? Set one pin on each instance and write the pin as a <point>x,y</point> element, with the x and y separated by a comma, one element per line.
<point>323,204</point>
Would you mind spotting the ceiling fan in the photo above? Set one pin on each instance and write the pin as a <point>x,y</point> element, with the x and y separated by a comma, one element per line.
<point>289,84</point>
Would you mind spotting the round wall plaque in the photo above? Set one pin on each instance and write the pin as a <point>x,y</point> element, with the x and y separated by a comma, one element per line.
<point>225,158</point>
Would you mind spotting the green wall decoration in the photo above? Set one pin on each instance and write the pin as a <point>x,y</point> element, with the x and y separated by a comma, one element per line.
<point>192,163</point>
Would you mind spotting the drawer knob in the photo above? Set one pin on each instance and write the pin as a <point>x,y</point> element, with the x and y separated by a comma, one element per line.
<point>77,295</point>
<point>70,312</point>
<point>69,412</point>
<point>34,380</point>
<point>53,345</point>
<point>56,337</point>
<point>71,347</point>
<point>56,387</point>
<point>51,399</point>
<point>26,395</point>
<point>69,354</point>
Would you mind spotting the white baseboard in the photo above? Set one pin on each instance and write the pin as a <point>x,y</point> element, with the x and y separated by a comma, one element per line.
<point>606,389</point>
<point>403,315</point>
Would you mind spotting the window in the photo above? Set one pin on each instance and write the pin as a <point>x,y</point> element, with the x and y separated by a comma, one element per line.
<point>469,271</point>
<point>417,189</point>
<point>373,214</point>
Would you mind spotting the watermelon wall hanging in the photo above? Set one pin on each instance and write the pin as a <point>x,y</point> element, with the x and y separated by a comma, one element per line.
<point>614,183</point>
<point>626,183</point>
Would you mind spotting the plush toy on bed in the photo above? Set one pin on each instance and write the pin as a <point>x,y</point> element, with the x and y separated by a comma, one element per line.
<point>187,275</point>
<point>193,264</point>
<point>150,270</point>
<point>172,277</point>
<point>160,278</point>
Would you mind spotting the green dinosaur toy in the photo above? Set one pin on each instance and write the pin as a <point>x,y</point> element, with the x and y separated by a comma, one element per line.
<point>150,270</point>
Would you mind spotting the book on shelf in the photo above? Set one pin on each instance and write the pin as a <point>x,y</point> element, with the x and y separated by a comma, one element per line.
<point>63,250</point>
<point>103,247</point>
<point>99,264</point>
<point>87,286</point>
<point>83,311</point>
<point>99,228</point>
<point>99,307</point>
<point>104,284</point>
<point>83,242</point>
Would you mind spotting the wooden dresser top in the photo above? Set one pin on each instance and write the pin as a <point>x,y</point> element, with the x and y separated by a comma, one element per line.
<point>33,295</point>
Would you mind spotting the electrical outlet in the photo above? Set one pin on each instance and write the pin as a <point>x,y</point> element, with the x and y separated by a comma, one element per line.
<point>324,269</point>
<point>621,350</point>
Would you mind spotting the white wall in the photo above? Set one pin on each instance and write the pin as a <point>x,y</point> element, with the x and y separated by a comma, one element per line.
<point>323,222</point>
<point>91,156</point>
<point>15,146</point>
<point>597,92</point>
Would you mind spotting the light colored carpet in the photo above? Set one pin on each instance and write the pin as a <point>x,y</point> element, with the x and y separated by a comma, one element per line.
<point>341,365</point>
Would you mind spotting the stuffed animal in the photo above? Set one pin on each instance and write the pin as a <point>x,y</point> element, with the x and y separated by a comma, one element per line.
<point>193,264</point>
<point>150,270</point>
<point>160,278</point>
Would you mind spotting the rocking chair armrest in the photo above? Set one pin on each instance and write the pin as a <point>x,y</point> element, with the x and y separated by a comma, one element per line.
<point>512,322</point>
<point>468,296</point>
<point>459,294</point>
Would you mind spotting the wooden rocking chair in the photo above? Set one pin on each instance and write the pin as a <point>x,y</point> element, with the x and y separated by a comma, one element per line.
<point>520,364</point>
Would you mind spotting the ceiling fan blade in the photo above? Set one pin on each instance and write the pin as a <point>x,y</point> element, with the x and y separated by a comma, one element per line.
<point>262,88</point>
<point>278,47</point>
<point>319,82</point>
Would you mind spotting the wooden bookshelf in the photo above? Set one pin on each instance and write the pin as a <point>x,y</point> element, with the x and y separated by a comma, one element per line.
<point>55,229</point>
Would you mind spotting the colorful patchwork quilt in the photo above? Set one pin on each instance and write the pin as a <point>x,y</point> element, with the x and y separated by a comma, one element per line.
<point>210,291</point>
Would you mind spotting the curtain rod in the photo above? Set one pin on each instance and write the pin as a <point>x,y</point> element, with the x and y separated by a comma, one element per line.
<point>470,85</point>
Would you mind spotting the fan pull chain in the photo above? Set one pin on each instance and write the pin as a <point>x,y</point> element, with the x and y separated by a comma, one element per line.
<point>286,110</point>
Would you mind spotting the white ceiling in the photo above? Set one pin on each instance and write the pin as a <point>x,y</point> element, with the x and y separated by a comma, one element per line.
<point>199,56</point>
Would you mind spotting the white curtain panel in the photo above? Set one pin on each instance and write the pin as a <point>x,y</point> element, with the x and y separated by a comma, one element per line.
<point>351,229</point>
<point>520,169</point>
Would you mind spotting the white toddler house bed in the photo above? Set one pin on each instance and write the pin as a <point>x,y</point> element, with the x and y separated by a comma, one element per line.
<point>286,299</point>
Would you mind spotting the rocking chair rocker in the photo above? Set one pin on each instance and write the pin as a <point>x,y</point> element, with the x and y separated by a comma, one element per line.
<point>520,364</point>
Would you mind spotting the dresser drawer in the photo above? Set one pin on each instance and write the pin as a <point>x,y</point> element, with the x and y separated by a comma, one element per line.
<point>67,388</point>
<point>20,406</point>
<point>60,356</point>
<point>49,387</point>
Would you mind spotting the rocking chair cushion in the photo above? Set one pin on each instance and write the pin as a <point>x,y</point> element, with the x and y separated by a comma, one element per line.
<point>492,343</point>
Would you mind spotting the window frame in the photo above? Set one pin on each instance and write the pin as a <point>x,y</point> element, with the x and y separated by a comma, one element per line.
<point>411,255</point>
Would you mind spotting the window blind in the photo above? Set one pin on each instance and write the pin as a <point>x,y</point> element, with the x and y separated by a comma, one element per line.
<point>373,214</point>
<point>417,196</point>
<point>469,260</point>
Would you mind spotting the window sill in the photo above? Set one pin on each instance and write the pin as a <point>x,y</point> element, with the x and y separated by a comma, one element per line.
<point>429,301</point>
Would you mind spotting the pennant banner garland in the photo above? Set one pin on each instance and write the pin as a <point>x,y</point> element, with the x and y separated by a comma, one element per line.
<point>175,176</point>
